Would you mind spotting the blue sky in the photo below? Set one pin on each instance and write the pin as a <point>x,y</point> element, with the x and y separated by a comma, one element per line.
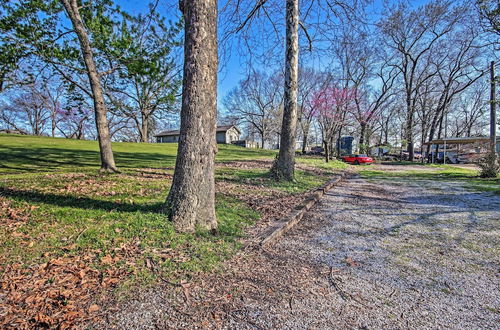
<point>234,68</point>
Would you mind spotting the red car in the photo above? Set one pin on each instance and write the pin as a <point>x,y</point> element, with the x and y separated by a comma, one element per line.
<point>357,159</point>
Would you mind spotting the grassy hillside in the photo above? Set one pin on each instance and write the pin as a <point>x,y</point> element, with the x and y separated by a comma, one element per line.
<point>20,153</point>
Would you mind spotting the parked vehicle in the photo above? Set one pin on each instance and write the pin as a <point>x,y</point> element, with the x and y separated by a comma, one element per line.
<point>451,157</point>
<point>470,158</point>
<point>316,150</point>
<point>357,159</point>
<point>405,155</point>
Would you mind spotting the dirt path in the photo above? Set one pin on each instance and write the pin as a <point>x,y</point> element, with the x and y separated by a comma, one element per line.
<point>384,254</point>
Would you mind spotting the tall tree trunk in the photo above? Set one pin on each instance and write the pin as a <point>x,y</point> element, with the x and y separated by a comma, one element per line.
<point>362,135</point>
<point>331,147</point>
<point>493,113</point>
<point>36,129</point>
<point>327,155</point>
<point>53,118</point>
<point>191,201</point>
<point>79,135</point>
<point>386,133</point>
<point>304,143</point>
<point>144,128</point>
<point>101,120</point>
<point>432,130</point>
<point>440,129</point>
<point>409,132</point>
<point>284,166</point>
<point>422,141</point>
<point>337,145</point>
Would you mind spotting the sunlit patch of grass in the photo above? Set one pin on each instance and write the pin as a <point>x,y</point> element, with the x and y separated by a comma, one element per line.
<point>332,165</point>
<point>303,182</point>
<point>468,177</point>
<point>485,184</point>
<point>24,153</point>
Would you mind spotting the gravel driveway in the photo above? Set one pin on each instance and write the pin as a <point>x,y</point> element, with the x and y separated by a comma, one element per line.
<point>374,254</point>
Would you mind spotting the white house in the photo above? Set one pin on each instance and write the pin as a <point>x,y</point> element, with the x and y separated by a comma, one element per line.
<point>224,134</point>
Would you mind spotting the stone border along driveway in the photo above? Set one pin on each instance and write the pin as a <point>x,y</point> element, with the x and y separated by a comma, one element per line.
<point>278,228</point>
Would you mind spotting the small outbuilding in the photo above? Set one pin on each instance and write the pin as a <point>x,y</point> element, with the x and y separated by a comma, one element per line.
<point>224,134</point>
<point>459,149</point>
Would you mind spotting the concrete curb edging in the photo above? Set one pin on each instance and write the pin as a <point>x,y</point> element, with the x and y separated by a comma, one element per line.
<point>277,230</point>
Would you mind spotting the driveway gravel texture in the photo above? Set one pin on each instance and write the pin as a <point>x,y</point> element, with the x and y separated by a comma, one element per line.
<point>374,254</point>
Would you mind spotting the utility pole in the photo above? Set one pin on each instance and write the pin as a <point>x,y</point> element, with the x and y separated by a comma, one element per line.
<point>493,114</point>
<point>445,133</point>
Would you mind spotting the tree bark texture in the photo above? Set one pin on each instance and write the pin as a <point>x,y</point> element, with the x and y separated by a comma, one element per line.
<point>191,201</point>
<point>304,143</point>
<point>362,135</point>
<point>332,147</point>
<point>144,130</point>
<point>409,129</point>
<point>493,113</point>
<point>284,166</point>
<point>101,120</point>
<point>327,154</point>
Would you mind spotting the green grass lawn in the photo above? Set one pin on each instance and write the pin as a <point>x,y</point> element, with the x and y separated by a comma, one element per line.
<point>22,153</point>
<point>52,185</point>
<point>468,177</point>
<point>319,162</point>
<point>55,204</point>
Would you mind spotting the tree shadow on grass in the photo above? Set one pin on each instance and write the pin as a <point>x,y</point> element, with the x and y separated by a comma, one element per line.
<point>78,202</point>
<point>25,159</point>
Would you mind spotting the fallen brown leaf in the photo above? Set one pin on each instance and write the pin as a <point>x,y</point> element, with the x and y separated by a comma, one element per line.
<point>94,308</point>
<point>351,262</point>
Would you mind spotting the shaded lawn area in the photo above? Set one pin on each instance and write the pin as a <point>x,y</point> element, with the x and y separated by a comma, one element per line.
<point>22,153</point>
<point>468,177</point>
<point>68,232</point>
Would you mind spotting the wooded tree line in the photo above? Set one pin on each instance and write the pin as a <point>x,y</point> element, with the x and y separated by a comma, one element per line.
<point>392,81</point>
<point>67,63</point>
<point>395,77</point>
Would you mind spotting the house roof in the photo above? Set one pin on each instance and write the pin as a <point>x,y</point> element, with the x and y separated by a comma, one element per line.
<point>168,133</point>
<point>226,128</point>
<point>459,140</point>
<point>177,132</point>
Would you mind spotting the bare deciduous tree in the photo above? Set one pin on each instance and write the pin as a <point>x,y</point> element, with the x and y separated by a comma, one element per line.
<point>29,110</point>
<point>458,66</point>
<point>284,166</point>
<point>257,100</point>
<point>413,34</point>
<point>72,8</point>
<point>310,81</point>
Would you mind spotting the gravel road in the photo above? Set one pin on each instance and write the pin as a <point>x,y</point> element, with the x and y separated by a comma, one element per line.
<point>373,254</point>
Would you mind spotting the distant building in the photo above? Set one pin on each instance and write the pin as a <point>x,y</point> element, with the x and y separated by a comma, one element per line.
<point>344,145</point>
<point>245,143</point>
<point>459,149</point>
<point>224,134</point>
